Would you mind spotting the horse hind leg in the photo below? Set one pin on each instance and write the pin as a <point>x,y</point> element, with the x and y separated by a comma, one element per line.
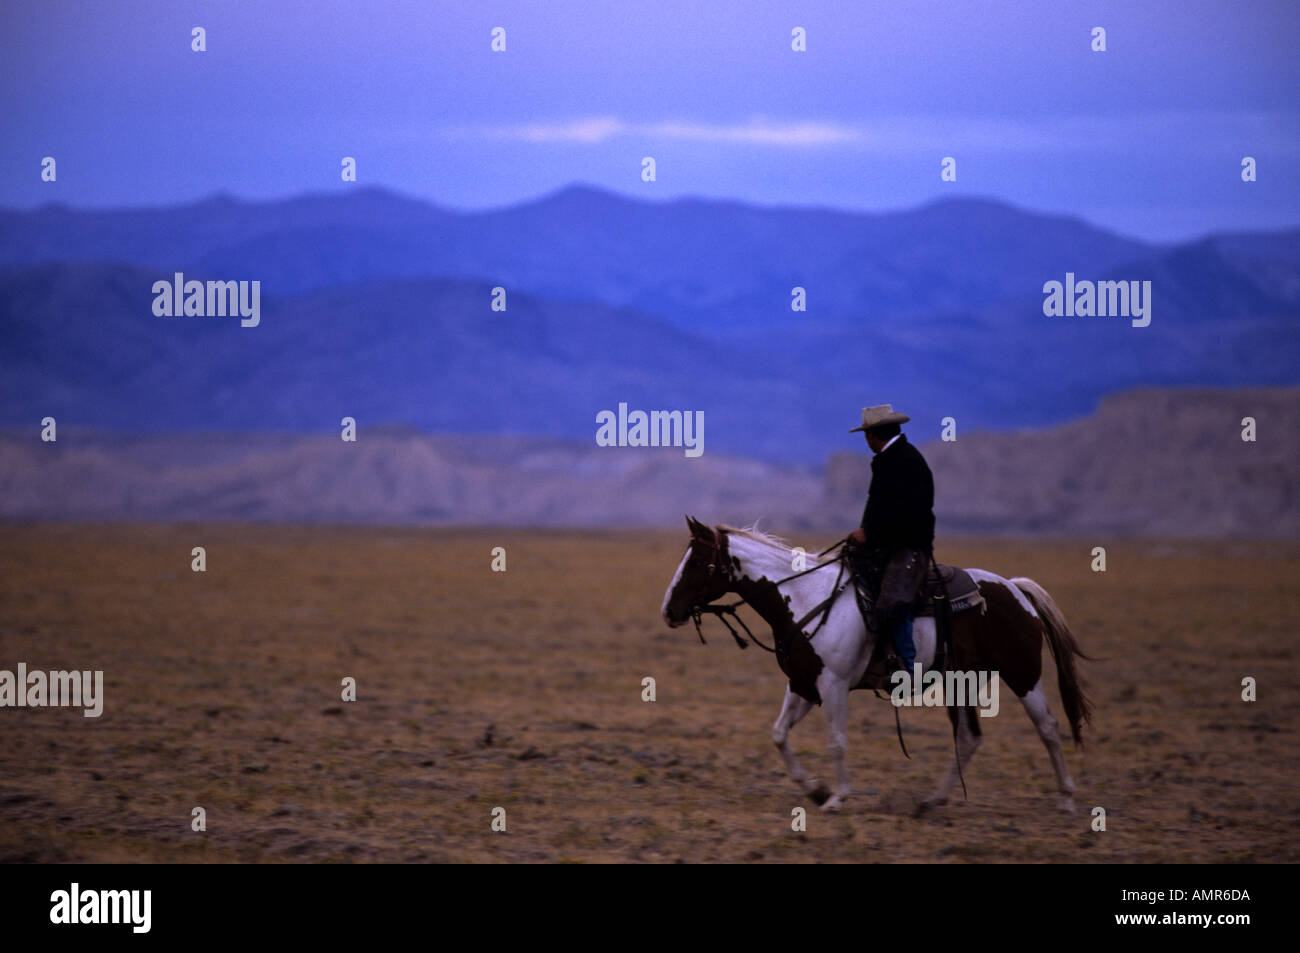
<point>792,711</point>
<point>1035,702</point>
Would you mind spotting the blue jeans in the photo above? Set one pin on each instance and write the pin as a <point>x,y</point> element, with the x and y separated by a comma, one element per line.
<point>903,643</point>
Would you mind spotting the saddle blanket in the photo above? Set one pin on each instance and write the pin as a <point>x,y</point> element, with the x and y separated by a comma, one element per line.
<point>963,591</point>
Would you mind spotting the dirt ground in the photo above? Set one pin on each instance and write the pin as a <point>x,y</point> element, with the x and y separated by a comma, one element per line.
<point>522,690</point>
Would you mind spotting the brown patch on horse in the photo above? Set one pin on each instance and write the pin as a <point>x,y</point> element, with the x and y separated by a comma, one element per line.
<point>794,653</point>
<point>1005,638</point>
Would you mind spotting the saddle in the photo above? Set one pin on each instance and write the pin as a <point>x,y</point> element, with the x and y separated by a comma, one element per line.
<point>963,591</point>
<point>963,594</point>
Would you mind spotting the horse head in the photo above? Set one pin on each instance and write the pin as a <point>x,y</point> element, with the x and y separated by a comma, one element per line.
<point>704,574</point>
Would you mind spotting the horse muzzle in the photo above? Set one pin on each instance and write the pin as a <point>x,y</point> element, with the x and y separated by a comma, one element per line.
<point>672,620</point>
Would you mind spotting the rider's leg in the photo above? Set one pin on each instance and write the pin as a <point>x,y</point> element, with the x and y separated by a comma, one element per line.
<point>903,643</point>
<point>898,588</point>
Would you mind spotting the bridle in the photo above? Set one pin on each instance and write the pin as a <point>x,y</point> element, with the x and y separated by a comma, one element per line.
<point>719,564</point>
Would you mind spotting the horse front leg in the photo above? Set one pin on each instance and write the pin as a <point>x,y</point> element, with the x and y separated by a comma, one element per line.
<point>835,702</point>
<point>792,711</point>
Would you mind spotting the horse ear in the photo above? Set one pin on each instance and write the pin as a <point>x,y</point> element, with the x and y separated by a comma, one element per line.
<point>703,531</point>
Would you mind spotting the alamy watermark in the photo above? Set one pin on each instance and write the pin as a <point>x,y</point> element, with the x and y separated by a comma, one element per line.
<point>212,299</point>
<point>57,689</point>
<point>73,906</point>
<point>656,428</point>
<point>940,689</point>
<point>1102,299</point>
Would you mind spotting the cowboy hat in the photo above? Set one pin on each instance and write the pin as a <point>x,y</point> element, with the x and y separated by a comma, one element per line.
<point>880,415</point>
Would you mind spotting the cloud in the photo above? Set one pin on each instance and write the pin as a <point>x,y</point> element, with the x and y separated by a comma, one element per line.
<point>597,129</point>
<point>1116,134</point>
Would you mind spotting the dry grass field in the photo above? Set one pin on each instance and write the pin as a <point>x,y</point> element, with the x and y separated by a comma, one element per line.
<point>523,690</point>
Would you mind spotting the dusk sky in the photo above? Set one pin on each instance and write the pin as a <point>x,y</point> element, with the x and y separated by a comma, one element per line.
<point>1146,138</point>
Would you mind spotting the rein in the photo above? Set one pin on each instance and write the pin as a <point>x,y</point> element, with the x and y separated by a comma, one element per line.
<point>723,610</point>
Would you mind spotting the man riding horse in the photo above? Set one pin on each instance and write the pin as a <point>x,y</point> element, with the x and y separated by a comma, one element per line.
<point>892,549</point>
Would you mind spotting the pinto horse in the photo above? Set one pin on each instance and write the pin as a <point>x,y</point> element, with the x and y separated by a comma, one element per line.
<point>1003,638</point>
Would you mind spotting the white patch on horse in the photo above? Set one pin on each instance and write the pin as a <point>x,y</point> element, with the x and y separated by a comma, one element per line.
<point>923,639</point>
<point>812,560</point>
<point>983,575</point>
<point>672,587</point>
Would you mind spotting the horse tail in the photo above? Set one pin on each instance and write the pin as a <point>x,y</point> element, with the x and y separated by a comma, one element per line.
<point>1064,648</point>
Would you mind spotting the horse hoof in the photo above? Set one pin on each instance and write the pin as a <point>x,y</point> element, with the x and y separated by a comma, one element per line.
<point>833,805</point>
<point>929,804</point>
<point>1067,805</point>
<point>820,795</point>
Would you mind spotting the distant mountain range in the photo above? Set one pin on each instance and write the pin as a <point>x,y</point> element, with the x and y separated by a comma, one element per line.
<point>706,265</point>
<point>1167,463</point>
<point>378,307</point>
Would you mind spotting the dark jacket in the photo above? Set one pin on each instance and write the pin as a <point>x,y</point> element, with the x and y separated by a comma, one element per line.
<point>900,504</point>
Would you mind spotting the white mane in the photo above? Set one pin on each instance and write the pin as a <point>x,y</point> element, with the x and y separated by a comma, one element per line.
<point>766,539</point>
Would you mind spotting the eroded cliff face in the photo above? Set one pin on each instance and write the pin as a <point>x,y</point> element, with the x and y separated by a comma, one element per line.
<point>1168,463</point>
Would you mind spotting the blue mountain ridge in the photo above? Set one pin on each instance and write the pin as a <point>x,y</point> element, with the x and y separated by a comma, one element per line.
<point>377,306</point>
